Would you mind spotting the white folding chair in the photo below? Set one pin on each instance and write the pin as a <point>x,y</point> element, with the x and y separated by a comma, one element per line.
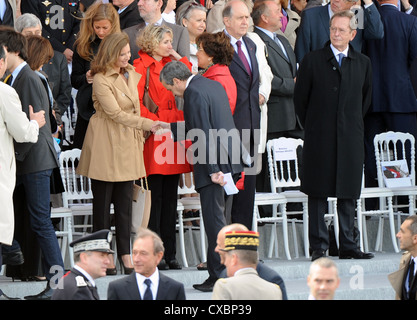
<point>188,202</point>
<point>284,174</point>
<point>393,150</point>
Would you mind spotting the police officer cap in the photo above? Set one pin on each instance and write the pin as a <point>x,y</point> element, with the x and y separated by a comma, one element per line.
<point>97,241</point>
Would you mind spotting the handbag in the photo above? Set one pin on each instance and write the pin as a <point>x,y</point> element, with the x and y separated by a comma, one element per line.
<point>141,206</point>
<point>148,102</point>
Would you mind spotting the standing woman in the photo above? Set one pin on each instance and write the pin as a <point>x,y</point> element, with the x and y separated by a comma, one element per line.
<point>163,167</point>
<point>99,21</point>
<point>214,54</point>
<point>112,153</point>
<point>192,16</point>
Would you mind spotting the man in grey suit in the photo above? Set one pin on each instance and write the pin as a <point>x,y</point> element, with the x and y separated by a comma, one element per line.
<point>146,283</point>
<point>313,32</point>
<point>282,119</point>
<point>35,162</point>
<point>151,12</point>
<point>209,123</point>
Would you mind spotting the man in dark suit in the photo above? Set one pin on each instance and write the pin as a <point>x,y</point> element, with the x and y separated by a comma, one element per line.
<point>394,104</point>
<point>146,283</point>
<point>8,12</point>
<point>151,12</point>
<point>282,119</point>
<point>245,71</point>
<point>60,22</point>
<point>331,97</point>
<point>91,257</point>
<point>313,32</point>
<point>216,150</point>
<point>128,12</point>
<point>35,162</point>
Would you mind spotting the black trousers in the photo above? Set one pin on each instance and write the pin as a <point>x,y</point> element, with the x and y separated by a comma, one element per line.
<point>318,232</point>
<point>164,195</point>
<point>120,194</point>
<point>215,206</point>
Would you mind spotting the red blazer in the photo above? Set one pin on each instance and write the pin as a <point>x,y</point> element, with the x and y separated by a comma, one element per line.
<point>221,73</point>
<point>161,154</point>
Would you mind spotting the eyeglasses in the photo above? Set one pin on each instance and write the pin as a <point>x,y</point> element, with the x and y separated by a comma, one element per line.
<point>191,5</point>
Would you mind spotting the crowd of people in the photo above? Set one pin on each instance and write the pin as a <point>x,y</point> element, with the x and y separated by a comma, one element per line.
<point>147,75</point>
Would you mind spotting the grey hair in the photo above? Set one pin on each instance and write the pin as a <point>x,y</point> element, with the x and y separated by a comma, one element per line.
<point>413,225</point>
<point>27,20</point>
<point>174,69</point>
<point>158,245</point>
<point>346,14</point>
<point>185,10</point>
<point>324,263</point>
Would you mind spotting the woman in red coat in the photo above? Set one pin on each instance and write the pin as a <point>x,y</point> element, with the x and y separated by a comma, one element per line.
<point>214,56</point>
<point>164,159</point>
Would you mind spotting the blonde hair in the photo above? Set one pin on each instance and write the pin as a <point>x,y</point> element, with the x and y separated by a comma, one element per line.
<point>151,36</point>
<point>97,12</point>
<point>108,52</point>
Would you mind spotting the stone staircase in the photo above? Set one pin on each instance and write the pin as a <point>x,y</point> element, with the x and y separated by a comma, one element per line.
<point>360,279</point>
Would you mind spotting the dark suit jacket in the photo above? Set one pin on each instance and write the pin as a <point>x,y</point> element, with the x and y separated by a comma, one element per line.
<point>75,286</point>
<point>33,157</point>
<point>130,16</point>
<point>281,111</point>
<point>180,42</point>
<point>206,109</point>
<point>391,59</point>
<point>59,12</point>
<point>247,113</point>
<point>331,103</point>
<point>59,79</point>
<point>127,289</point>
<point>313,32</point>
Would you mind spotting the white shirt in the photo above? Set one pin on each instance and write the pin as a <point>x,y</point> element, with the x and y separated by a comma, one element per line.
<point>336,52</point>
<point>140,279</point>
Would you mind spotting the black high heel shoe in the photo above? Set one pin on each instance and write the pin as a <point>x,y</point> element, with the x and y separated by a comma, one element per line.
<point>125,269</point>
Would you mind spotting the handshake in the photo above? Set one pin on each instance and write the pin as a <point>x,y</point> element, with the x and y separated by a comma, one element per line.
<point>160,127</point>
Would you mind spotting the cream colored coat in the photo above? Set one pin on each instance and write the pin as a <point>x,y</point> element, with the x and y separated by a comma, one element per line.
<point>113,145</point>
<point>14,124</point>
<point>246,284</point>
<point>396,278</point>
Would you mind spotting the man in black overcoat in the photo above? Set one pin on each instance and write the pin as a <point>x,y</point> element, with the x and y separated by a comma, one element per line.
<point>331,101</point>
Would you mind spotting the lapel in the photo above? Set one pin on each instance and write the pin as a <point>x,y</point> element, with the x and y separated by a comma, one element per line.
<point>90,287</point>
<point>325,19</point>
<point>271,44</point>
<point>19,76</point>
<point>397,278</point>
<point>163,287</point>
<point>132,289</point>
<point>252,56</point>
<point>129,88</point>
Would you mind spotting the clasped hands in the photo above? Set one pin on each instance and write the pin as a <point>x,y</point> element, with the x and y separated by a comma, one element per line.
<point>160,127</point>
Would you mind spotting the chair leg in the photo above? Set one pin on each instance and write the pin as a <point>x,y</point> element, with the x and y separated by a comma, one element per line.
<point>202,238</point>
<point>392,226</point>
<point>285,232</point>
<point>305,230</point>
<point>70,238</point>
<point>181,238</point>
<point>294,236</point>
<point>359,221</point>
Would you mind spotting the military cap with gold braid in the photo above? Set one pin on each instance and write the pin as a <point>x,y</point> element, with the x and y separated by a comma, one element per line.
<point>241,240</point>
<point>97,241</point>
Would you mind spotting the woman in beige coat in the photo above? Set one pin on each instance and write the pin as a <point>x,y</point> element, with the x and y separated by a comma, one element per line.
<point>112,153</point>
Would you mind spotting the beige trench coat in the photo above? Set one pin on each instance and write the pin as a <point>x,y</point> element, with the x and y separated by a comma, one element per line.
<point>396,278</point>
<point>14,124</point>
<point>113,145</point>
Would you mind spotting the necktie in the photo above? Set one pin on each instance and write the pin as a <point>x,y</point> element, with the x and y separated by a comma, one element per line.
<point>279,43</point>
<point>341,56</point>
<point>148,292</point>
<point>9,79</point>
<point>411,273</point>
<point>243,57</point>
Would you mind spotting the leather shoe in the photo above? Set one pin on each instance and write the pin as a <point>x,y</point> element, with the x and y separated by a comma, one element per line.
<point>163,265</point>
<point>3,296</point>
<point>318,254</point>
<point>206,286</point>
<point>174,264</point>
<point>44,295</point>
<point>14,258</point>
<point>355,254</point>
